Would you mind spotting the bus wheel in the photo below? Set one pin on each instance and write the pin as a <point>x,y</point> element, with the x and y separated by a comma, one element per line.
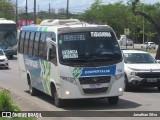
<point>57,101</point>
<point>32,90</point>
<point>126,86</point>
<point>113,100</point>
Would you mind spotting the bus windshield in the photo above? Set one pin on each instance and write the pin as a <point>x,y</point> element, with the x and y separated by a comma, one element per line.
<point>7,39</point>
<point>7,36</point>
<point>88,48</point>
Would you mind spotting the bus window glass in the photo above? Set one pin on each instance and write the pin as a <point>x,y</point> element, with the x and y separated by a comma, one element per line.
<point>22,41</point>
<point>52,55</point>
<point>26,43</point>
<point>36,44</point>
<point>31,43</point>
<point>43,46</point>
<point>52,36</point>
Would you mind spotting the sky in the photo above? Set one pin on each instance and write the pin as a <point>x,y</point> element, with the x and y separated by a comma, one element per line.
<point>74,5</point>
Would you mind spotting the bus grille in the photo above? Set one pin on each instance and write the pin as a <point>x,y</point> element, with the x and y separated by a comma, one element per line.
<point>95,80</point>
<point>94,91</point>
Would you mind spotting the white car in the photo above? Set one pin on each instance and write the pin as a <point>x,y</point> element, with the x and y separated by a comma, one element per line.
<point>141,69</point>
<point>148,45</point>
<point>3,60</point>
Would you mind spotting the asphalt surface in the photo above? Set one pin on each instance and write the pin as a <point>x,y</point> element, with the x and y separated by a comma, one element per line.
<point>144,99</point>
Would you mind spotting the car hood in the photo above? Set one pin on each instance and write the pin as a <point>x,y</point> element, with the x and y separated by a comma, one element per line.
<point>143,67</point>
<point>2,57</point>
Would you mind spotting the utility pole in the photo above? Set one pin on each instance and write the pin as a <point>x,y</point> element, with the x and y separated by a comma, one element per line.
<point>143,26</point>
<point>35,17</point>
<point>26,12</point>
<point>16,13</point>
<point>38,8</point>
<point>67,11</point>
<point>49,10</point>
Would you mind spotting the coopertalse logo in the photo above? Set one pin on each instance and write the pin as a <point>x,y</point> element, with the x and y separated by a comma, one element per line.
<point>76,72</point>
<point>95,71</point>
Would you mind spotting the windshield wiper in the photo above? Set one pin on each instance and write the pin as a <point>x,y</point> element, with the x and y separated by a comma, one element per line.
<point>79,59</point>
<point>103,58</point>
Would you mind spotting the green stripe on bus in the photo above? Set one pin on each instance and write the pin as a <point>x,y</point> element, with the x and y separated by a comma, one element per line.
<point>45,28</point>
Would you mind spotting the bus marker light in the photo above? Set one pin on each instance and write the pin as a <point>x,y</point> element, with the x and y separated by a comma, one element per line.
<point>67,93</point>
<point>120,89</point>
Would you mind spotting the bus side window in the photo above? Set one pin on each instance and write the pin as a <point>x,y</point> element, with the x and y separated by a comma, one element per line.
<point>31,43</point>
<point>36,44</point>
<point>26,42</point>
<point>52,55</point>
<point>21,41</point>
<point>52,36</point>
<point>43,47</point>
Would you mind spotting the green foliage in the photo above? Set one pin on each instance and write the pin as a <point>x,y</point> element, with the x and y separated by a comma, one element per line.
<point>6,102</point>
<point>119,16</point>
<point>7,9</point>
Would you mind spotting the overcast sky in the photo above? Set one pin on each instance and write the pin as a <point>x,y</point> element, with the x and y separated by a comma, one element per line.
<point>74,5</point>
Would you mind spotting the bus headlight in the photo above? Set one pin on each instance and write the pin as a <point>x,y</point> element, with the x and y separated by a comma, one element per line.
<point>118,76</point>
<point>71,80</point>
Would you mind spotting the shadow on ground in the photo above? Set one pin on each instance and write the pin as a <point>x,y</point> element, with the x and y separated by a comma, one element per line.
<point>90,104</point>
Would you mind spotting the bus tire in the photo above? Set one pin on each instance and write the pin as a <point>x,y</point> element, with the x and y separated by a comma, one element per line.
<point>126,84</point>
<point>158,88</point>
<point>113,100</point>
<point>57,101</point>
<point>32,91</point>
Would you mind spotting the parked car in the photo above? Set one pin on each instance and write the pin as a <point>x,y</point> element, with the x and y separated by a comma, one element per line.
<point>141,69</point>
<point>148,45</point>
<point>3,60</point>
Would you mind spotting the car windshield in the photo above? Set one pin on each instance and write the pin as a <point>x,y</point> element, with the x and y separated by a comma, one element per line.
<point>88,47</point>
<point>1,53</point>
<point>138,58</point>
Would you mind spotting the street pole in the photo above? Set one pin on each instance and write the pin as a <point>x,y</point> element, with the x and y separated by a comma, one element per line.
<point>35,17</point>
<point>143,29</point>
<point>26,12</point>
<point>49,11</point>
<point>67,11</point>
<point>16,13</point>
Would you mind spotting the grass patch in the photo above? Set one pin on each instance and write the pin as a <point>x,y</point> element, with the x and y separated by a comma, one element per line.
<point>152,50</point>
<point>6,102</point>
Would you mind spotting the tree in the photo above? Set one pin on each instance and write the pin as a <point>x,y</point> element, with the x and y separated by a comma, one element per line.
<point>152,17</point>
<point>7,9</point>
<point>117,15</point>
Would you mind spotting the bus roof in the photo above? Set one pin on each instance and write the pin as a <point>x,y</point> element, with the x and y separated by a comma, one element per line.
<point>58,24</point>
<point>4,21</point>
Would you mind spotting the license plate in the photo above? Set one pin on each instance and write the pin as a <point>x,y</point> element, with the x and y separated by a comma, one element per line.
<point>94,86</point>
<point>151,80</point>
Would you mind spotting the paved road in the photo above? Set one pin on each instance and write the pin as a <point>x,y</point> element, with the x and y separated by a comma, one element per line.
<point>137,100</point>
